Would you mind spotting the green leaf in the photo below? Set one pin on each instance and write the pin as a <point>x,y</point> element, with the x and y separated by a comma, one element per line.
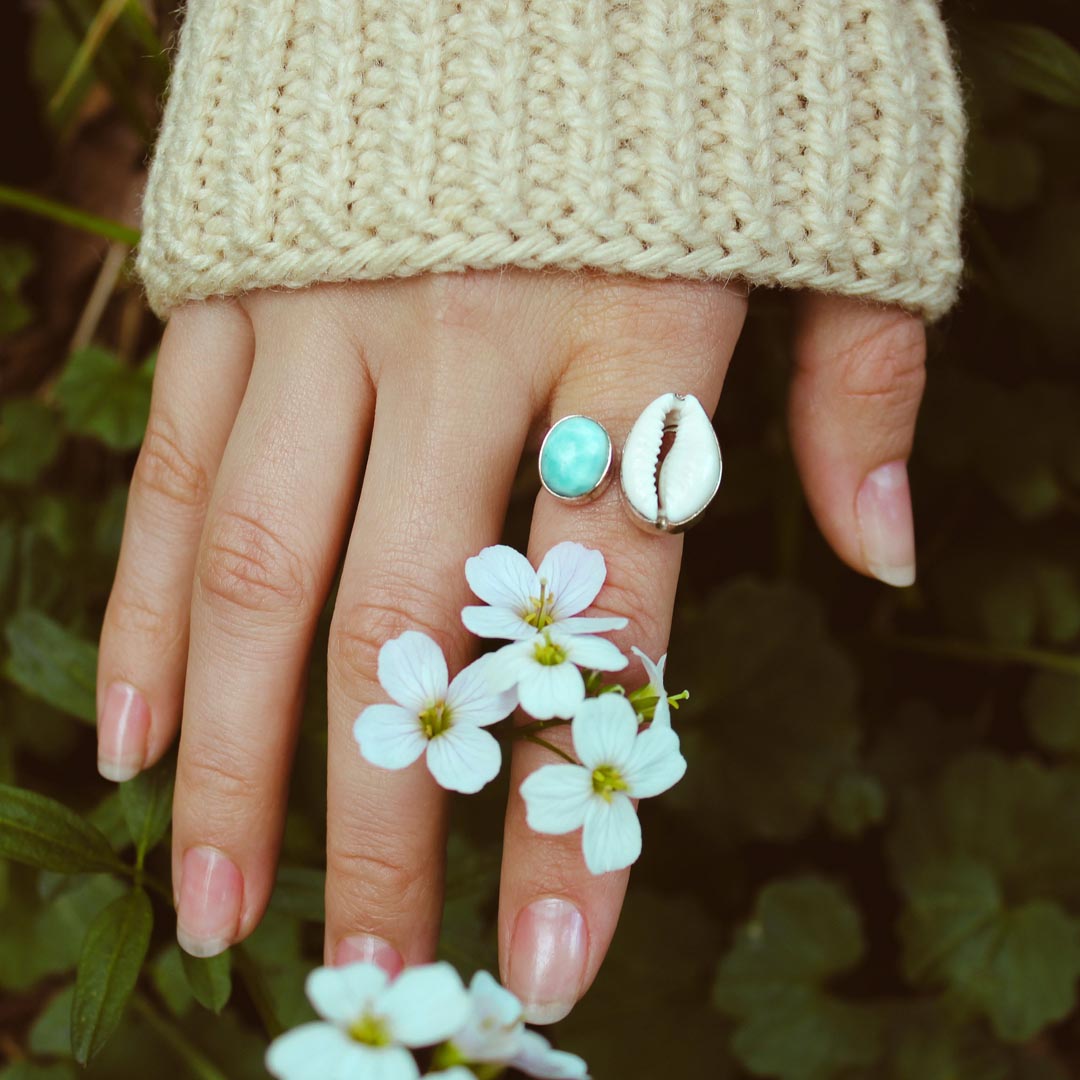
<point>102,397</point>
<point>300,891</point>
<point>16,263</point>
<point>1032,58</point>
<point>30,439</point>
<point>49,662</point>
<point>1016,817</point>
<point>1019,966</point>
<point>771,724</point>
<point>109,966</point>
<point>1052,709</point>
<point>42,935</point>
<point>42,832</point>
<point>170,981</point>
<point>210,979</point>
<point>147,803</point>
<point>51,1033</point>
<point>804,932</point>
<point>856,803</point>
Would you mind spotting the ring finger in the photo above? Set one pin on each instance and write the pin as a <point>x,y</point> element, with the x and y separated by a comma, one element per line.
<point>556,919</point>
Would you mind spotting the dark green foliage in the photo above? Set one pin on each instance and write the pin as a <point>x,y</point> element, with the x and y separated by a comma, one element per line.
<point>109,966</point>
<point>872,868</point>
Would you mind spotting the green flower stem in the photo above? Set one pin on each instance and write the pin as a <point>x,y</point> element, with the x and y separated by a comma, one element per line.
<point>541,725</point>
<point>529,737</point>
<point>985,653</point>
<point>148,881</point>
<point>68,215</point>
<point>199,1064</point>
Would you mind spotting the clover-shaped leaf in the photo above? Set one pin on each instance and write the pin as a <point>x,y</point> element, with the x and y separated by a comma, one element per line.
<point>1017,965</point>
<point>773,981</point>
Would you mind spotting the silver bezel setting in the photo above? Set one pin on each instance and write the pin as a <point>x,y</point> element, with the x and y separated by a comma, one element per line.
<point>661,525</point>
<point>600,486</point>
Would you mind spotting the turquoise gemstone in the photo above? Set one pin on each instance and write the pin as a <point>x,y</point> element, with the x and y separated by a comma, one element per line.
<point>575,457</point>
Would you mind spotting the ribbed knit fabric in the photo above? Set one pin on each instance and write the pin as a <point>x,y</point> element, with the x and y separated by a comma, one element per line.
<point>811,143</point>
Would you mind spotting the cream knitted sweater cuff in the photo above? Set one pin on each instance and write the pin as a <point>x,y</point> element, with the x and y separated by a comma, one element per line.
<point>811,143</point>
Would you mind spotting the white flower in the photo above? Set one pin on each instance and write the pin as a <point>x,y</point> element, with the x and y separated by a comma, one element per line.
<point>368,1022</point>
<point>544,670</point>
<point>662,715</point>
<point>618,764</point>
<point>522,601</point>
<point>446,721</point>
<point>495,1033</point>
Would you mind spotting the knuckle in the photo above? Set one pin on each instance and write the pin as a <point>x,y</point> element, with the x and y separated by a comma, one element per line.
<point>165,469</point>
<point>215,776</point>
<point>373,877</point>
<point>246,563</point>
<point>133,616</point>
<point>462,300</point>
<point>390,605</point>
<point>888,364</point>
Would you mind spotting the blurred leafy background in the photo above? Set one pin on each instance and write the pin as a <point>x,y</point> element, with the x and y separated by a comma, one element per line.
<point>873,867</point>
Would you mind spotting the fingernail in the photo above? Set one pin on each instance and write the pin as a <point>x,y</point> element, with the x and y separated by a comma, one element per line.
<point>547,959</point>
<point>211,892</point>
<point>886,526</point>
<point>123,730</point>
<point>368,949</point>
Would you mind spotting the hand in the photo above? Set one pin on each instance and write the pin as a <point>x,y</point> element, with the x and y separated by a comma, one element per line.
<point>264,410</point>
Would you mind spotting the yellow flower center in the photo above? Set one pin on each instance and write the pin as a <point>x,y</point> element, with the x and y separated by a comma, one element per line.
<point>435,720</point>
<point>606,780</point>
<point>371,1031</point>
<point>541,607</point>
<point>548,653</point>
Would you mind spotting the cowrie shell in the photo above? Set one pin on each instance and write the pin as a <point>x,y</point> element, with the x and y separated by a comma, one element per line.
<point>672,497</point>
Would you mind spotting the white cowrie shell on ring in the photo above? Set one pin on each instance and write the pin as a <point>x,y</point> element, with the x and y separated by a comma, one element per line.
<point>671,497</point>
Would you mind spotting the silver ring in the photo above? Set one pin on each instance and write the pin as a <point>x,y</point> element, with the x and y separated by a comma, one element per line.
<point>575,459</point>
<point>671,464</point>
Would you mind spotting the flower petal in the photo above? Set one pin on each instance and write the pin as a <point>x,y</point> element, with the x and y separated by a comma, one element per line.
<point>425,1005</point>
<point>502,577</point>
<point>655,674</point>
<point>604,730</point>
<point>496,622</point>
<point>556,797</point>
<point>456,1072</point>
<point>591,624</point>
<point>611,839</point>
<point>655,763</point>
<point>342,994</point>
<point>374,1063</point>
<point>545,691</point>
<point>588,651</point>
<point>389,736</point>
<point>574,575</point>
<point>464,758</point>
<point>412,670</point>
<point>494,1024</point>
<point>307,1052</point>
<point>471,699</point>
<point>505,666</point>
<point>536,1057</point>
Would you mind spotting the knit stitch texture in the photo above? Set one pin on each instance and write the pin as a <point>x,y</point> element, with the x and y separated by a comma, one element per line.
<point>812,143</point>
